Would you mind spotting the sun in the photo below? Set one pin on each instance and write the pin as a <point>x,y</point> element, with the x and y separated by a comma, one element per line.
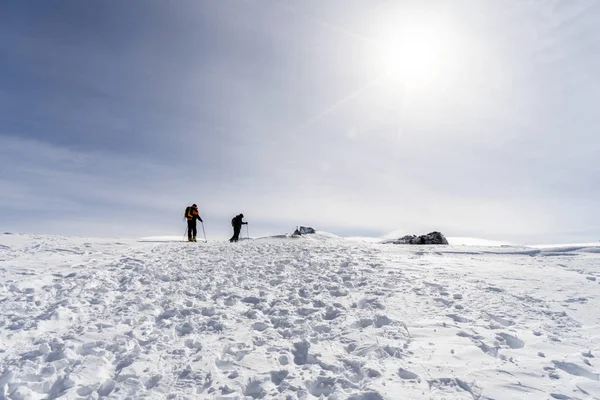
<point>413,53</point>
<point>413,49</point>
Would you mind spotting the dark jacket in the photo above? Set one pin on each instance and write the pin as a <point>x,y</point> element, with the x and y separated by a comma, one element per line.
<point>237,223</point>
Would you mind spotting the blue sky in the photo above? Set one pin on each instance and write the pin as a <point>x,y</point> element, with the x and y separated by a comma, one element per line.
<point>357,117</point>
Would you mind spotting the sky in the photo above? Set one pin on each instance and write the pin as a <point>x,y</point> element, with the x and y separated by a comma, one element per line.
<point>473,118</point>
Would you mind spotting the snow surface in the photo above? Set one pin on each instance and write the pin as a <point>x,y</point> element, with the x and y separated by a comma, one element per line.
<point>296,319</point>
<point>467,241</point>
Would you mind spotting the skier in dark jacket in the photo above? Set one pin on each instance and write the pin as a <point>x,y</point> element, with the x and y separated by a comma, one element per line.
<point>237,223</point>
<point>191,214</point>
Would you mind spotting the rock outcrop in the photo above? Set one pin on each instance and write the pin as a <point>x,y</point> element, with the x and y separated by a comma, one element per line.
<point>430,238</point>
<point>303,230</point>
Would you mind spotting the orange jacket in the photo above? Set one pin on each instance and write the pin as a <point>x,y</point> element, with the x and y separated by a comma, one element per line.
<point>193,214</point>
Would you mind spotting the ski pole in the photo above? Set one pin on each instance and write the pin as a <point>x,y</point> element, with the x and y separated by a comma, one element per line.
<point>205,241</point>
<point>184,233</point>
<point>247,232</point>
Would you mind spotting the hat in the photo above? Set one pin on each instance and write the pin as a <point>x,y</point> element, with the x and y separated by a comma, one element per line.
<point>242,215</point>
<point>193,205</point>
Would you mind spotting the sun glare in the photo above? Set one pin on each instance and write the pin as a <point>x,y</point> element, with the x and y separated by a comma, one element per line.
<point>414,50</point>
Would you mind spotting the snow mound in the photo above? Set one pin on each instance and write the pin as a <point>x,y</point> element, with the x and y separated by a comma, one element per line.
<point>304,232</point>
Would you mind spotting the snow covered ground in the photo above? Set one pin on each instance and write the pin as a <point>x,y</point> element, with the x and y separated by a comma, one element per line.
<point>296,319</point>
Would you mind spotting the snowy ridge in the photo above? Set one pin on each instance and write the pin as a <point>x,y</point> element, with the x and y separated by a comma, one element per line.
<point>467,241</point>
<point>160,239</point>
<point>296,319</point>
<point>317,236</point>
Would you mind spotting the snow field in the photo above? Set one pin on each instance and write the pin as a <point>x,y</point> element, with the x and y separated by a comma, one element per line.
<point>296,319</point>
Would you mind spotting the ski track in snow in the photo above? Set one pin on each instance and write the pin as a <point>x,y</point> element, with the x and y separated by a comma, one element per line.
<point>296,319</point>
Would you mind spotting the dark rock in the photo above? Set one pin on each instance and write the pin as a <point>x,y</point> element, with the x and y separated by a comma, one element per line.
<point>303,230</point>
<point>430,238</point>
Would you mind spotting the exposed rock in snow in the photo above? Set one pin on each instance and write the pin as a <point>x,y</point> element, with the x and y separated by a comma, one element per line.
<point>430,238</point>
<point>300,231</point>
<point>303,230</point>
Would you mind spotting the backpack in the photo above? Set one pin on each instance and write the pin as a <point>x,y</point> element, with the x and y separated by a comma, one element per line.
<point>233,221</point>
<point>187,212</point>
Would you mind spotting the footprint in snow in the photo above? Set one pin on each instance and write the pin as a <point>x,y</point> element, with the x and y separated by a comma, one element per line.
<point>579,300</point>
<point>445,302</point>
<point>560,396</point>
<point>278,376</point>
<point>254,388</point>
<point>366,396</point>
<point>407,375</point>
<point>500,320</point>
<point>512,341</point>
<point>442,383</point>
<point>370,304</point>
<point>251,300</point>
<point>260,326</point>
<point>151,382</point>
<point>588,354</point>
<point>458,318</point>
<point>574,369</point>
